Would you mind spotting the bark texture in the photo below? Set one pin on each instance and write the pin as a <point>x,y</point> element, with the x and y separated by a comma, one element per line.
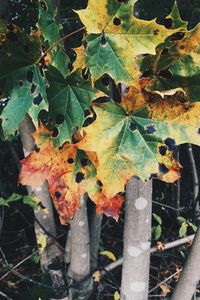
<point>137,236</point>
<point>95,232</point>
<point>190,274</point>
<point>80,254</point>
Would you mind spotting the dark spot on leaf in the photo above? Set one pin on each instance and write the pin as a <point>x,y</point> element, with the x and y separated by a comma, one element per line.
<point>116,21</point>
<point>103,39</point>
<point>99,183</point>
<point>44,5</point>
<point>21,83</point>
<point>162,150</point>
<point>37,100</point>
<point>86,113</point>
<point>105,80</point>
<point>163,169</point>
<point>168,23</point>
<point>79,177</point>
<point>29,76</point>
<point>11,36</point>
<point>198,131</point>
<point>171,144</point>
<point>133,126</point>
<point>57,194</point>
<point>150,129</point>
<point>10,27</point>
<point>89,120</point>
<point>26,49</point>
<point>165,73</point>
<point>33,88</point>
<point>155,32</point>
<point>55,132</point>
<point>84,161</point>
<point>70,160</point>
<point>36,149</point>
<point>177,36</point>
<point>60,119</point>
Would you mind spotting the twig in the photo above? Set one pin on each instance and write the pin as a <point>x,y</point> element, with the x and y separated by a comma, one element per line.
<point>5,296</point>
<point>24,260</point>
<point>166,279</point>
<point>168,206</point>
<point>58,42</point>
<point>167,246</point>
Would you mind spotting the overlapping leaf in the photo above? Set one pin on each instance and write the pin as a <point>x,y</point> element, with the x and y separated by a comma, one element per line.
<point>70,173</point>
<point>20,79</point>
<point>69,101</point>
<point>176,64</point>
<point>132,145</point>
<point>51,32</point>
<point>115,37</point>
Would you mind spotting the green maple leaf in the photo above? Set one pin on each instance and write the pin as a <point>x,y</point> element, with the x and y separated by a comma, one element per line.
<point>116,37</point>
<point>176,65</point>
<point>20,78</point>
<point>69,100</point>
<point>50,30</point>
<point>129,145</point>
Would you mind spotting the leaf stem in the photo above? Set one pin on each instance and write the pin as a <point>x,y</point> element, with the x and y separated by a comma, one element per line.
<point>58,42</point>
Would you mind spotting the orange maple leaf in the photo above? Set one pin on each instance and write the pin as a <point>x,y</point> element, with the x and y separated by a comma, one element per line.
<point>70,173</point>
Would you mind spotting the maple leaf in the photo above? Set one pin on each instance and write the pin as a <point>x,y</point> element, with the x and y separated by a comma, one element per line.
<point>50,31</point>
<point>116,36</point>
<point>70,173</point>
<point>176,64</point>
<point>20,79</point>
<point>51,164</point>
<point>69,101</point>
<point>128,145</point>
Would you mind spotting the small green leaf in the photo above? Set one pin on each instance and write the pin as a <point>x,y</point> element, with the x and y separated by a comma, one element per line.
<point>183,229</point>
<point>194,227</point>
<point>157,232</point>
<point>158,219</point>
<point>181,219</point>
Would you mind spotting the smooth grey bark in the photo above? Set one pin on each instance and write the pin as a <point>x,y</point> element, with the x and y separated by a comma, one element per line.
<point>190,274</point>
<point>51,258</point>
<point>68,247</point>
<point>137,237</point>
<point>95,232</point>
<point>80,254</point>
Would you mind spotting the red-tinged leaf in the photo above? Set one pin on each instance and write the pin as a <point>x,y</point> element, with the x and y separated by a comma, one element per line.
<point>51,164</point>
<point>109,206</point>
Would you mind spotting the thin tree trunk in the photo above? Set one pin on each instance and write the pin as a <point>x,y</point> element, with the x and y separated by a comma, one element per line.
<point>51,257</point>
<point>137,236</point>
<point>68,247</point>
<point>80,253</point>
<point>190,275</point>
<point>95,232</point>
